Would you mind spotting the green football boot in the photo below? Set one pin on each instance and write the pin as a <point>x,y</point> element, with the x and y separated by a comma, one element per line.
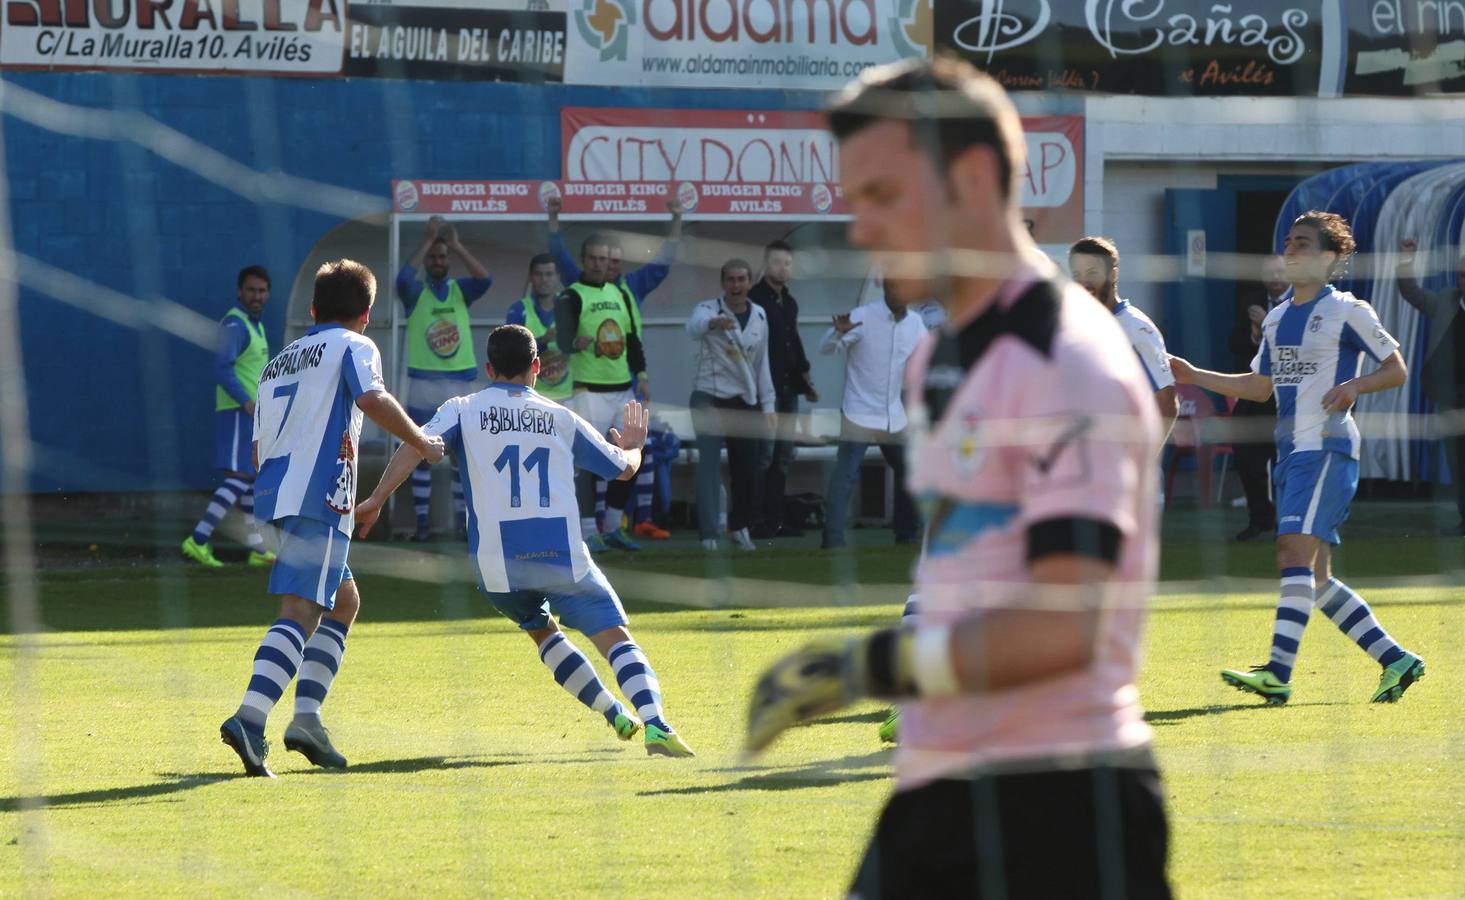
<point>261,559</point>
<point>665,743</point>
<point>626,727</point>
<point>1397,677</point>
<point>890,728</point>
<point>202,554</point>
<point>1259,681</point>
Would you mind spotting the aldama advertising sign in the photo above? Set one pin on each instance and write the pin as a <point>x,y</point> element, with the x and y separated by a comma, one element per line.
<point>290,37</point>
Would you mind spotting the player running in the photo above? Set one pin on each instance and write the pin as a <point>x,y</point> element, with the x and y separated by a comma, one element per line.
<point>1094,262</point>
<point>1023,767</point>
<point>307,426</point>
<point>1311,356</point>
<point>517,453</point>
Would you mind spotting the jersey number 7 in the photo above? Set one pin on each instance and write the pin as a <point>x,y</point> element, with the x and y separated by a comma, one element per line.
<point>539,458</point>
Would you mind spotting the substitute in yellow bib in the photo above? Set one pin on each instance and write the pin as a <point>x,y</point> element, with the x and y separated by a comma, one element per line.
<point>536,312</point>
<point>240,355</point>
<point>440,359</point>
<point>599,327</point>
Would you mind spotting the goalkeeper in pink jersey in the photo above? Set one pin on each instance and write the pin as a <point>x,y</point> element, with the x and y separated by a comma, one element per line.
<point>1024,766</point>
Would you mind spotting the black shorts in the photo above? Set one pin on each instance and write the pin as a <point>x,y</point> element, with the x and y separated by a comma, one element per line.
<point>1094,832</point>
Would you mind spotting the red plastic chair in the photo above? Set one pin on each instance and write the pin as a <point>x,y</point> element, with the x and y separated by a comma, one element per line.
<point>1191,438</point>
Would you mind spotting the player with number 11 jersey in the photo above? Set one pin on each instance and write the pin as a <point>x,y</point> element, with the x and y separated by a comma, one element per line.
<point>517,454</point>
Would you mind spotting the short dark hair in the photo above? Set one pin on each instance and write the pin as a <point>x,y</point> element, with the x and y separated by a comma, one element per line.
<point>540,259</point>
<point>511,350</point>
<point>599,239</point>
<point>252,272</point>
<point>1093,245</point>
<point>1333,233</point>
<point>774,246</point>
<point>949,104</point>
<point>344,290</point>
<point>735,263</point>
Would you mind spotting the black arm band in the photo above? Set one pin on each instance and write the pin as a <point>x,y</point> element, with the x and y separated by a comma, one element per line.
<point>883,675</point>
<point>1090,538</point>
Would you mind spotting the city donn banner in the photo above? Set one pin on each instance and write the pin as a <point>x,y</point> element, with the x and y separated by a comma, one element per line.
<point>472,40</point>
<point>753,156</point>
<point>292,37</point>
<point>810,44</point>
<point>1157,47</point>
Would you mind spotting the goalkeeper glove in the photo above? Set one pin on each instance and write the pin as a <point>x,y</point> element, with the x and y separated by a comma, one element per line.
<point>827,675</point>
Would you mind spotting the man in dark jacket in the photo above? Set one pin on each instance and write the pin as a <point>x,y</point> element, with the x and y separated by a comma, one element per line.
<point>790,370</point>
<point>1254,447</point>
<point>1443,378</point>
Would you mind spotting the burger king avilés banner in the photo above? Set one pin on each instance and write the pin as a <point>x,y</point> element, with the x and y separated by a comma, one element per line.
<point>618,200</point>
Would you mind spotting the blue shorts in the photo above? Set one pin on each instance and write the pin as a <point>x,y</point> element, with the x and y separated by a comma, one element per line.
<point>1314,488</point>
<point>233,441</point>
<point>312,560</point>
<point>589,606</point>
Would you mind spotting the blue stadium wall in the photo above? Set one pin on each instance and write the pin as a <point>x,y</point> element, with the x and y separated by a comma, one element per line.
<point>113,408</point>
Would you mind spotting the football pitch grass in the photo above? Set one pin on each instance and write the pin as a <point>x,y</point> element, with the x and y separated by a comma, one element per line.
<point>473,773</point>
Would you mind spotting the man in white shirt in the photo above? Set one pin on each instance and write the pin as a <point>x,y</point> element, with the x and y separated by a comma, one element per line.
<point>517,454</point>
<point>1094,262</point>
<point>307,426</point>
<point>733,402</point>
<point>877,340</point>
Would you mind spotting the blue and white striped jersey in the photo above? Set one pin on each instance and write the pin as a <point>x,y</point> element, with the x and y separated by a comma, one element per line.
<point>307,426</point>
<point>1309,348</point>
<point>1148,344</point>
<point>517,454</point>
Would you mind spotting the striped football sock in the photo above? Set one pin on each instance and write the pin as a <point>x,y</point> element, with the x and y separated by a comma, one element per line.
<point>422,491</point>
<point>638,682</point>
<point>225,496</point>
<point>275,663</point>
<point>1354,618</point>
<point>575,674</point>
<point>323,654</point>
<point>252,539</point>
<point>645,492</point>
<point>1292,613</point>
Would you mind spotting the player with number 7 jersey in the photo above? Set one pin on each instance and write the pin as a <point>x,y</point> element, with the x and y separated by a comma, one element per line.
<point>517,453</point>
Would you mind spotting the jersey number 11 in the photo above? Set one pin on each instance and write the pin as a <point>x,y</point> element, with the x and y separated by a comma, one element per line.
<point>539,458</point>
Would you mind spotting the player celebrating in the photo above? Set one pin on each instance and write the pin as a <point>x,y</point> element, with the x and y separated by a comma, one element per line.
<point>518,453</point>
<point>242,353</point>
<point>1023,766</point>
<point>1311,356</point>
<point>307,426</point>
<point>440,360</point>
<point>1094,262</point>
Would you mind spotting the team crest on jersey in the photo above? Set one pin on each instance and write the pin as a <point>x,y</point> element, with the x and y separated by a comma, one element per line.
<point>1315,324</point>
<point>443,338</point>
<point>610,341</point>
<point>343,492</point>
<point>969,452</point>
